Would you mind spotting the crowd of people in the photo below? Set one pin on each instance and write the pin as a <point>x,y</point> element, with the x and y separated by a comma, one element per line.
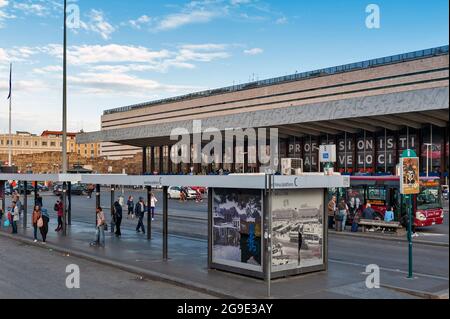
<point>40,217</point>
<point>339,213</point>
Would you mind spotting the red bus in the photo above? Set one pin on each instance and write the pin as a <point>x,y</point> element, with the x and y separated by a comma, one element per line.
<point>384,191</point>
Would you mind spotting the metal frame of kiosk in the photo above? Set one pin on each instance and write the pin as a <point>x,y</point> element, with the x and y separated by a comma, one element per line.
<point>272,186</point>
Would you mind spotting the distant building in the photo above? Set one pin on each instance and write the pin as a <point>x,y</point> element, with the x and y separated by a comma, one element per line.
<point>48,141</point>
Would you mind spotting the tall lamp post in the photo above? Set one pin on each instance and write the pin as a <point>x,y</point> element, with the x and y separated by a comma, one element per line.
<point>64,121</point>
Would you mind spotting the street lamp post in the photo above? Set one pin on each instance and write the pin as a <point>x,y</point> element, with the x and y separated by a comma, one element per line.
<point>64,121</point>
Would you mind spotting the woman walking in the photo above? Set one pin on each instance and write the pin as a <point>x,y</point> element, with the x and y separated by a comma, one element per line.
<point>35,217</point>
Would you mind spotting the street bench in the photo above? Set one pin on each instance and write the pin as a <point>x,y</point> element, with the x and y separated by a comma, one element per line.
<point>394,227</point>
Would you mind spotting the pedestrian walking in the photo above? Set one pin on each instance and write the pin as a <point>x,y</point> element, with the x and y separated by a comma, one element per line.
<point>15,217</point>
<point>45,221</point>
<point>35,218</point>
<point>118,217</point>
<point>343,213</point>
<point>331,208</point>
<point>153,201</point>
<point>100,229</point>
<point>58,208</point>
<point>130,205</point>
<point>140,212</point>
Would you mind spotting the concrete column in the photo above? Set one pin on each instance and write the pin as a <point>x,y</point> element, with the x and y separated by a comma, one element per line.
<point>161,159</point>
<point>144,160</point>
<point>152,159</point>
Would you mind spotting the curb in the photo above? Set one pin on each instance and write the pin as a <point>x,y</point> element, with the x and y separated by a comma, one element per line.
<point>421,294</point>
<point>147,274</point>
<point>361,235</point>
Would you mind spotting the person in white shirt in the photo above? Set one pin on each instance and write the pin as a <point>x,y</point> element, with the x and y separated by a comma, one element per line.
<point>153,202</point>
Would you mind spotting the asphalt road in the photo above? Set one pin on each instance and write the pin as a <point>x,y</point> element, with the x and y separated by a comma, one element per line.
<point>44,275</point>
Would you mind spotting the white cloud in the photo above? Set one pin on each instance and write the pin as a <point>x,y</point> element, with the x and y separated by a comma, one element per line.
<point>3,14</point>
<point>97,23</point>
<point>3,56</point>
<point>123,84</point>
<point>177,20</point>
<point>123,58</point>
<point>282,20</point>
<point>239,2</point>
<point>139,22</point>
<point>32,8</point>
<point>254,51</point>
<point>48,69</point>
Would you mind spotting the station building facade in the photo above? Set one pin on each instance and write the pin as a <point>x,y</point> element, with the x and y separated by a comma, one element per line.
<point>371,110</point>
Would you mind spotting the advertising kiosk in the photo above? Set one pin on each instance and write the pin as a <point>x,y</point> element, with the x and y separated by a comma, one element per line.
<point>276,229</point>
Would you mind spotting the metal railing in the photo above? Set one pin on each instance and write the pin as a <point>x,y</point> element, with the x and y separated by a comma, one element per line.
<point>294,77</point>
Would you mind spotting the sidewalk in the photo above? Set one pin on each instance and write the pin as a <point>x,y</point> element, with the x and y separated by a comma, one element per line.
<point>187,267</point>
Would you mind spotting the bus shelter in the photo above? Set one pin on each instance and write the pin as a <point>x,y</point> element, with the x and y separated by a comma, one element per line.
<point>32,179</point>
<point>259,225</point>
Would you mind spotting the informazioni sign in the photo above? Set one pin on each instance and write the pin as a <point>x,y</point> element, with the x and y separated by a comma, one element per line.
<point>409,176</point>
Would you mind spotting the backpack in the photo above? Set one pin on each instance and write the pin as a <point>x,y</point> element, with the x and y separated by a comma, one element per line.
<point>56,207</point>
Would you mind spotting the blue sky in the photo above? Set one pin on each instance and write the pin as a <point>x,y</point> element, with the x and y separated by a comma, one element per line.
<point>126,52</point>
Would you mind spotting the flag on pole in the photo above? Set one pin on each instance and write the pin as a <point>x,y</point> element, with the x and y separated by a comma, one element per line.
<point>10,81</point>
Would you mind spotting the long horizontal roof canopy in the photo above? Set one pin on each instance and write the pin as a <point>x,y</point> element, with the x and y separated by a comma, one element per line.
<point>244,181</point>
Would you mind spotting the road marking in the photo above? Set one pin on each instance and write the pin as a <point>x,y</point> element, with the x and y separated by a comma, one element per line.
<point>431,235</point>
<point>388,269</point>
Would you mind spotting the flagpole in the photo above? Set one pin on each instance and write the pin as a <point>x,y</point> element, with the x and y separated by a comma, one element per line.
<point>10,126</point>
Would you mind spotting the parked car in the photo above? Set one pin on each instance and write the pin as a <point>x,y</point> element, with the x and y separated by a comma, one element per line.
<point>21,189</point>
<point>200,188</point>
<point>42,188</point>
<point>57,189</point>
<point>76,189</point>
<point>175,191</point>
